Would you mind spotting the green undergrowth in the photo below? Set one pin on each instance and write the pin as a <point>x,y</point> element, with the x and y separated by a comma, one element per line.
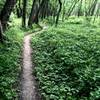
<point>10,57</point>
<point>14,21</point>
<point>10,53</point>
<point>67,60</point>
<point>34,28</point>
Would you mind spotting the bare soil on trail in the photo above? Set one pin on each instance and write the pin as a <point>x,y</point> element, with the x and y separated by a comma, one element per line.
<point>29,90</point>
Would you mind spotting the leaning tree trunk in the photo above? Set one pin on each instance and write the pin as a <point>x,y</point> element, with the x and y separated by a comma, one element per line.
<point>6,12</point>
<point>94,6</point>
<point>60,3</point>
<point>72,8</point>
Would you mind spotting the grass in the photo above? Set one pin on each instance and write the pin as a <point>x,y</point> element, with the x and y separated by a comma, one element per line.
<point>67,60</point>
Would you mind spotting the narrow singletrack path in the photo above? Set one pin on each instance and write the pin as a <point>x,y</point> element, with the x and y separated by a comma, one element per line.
<point>29,89</point>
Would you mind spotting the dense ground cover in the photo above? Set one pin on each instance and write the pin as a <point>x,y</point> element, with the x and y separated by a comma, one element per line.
<point>67,61</point>
<point>10,53</point>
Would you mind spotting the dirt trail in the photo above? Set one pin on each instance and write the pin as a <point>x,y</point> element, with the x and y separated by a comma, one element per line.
<point>29,89</point>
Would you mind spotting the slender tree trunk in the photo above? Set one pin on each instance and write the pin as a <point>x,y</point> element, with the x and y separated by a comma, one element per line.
<point>60,3</point>
<point>44,9</point>
<point>24,13</point>
<point>96,11</point>
<point>79,10</point>
<point>63,12</point>
<point>19,9</point>
<point>92,8</point>
<point>1,33</point>
<point>85,12</point>
<point>71,8</point>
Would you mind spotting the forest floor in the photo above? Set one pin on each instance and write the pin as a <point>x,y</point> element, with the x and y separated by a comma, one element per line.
<point>65,56</point>
<point>29,90</point>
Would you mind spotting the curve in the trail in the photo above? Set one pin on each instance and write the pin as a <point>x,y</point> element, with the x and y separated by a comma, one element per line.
<point>29,89</point>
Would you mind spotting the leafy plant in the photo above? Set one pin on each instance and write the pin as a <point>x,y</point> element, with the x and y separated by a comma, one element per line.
<point>10,53</point>
<point>67,62</point>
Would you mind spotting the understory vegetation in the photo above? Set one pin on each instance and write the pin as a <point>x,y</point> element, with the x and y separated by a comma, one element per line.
<point>10,54</point>
<point>66,52</point>
<point>67,60</point>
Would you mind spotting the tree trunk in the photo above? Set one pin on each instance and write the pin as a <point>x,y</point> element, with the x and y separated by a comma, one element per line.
<point>63,12</point>
<point>72,8</point>
<point>6,11</point>
<point>60,3</point>
<point>19,9</point>
<point>1,33</point>
<point>31,15</point>
<point>24,13</point>
<point>92,7</point>
<point>44,9</point>
<point>79,9</point>
<point>36,19</point>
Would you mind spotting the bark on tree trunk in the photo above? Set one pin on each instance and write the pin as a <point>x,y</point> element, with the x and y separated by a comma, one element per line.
<point>31,15</point>
<point>24,13</point>
<point>63,12</point>
<point>1,33</point>
<point>60,3</point>
<point>80,7</point>
<point>72,7</point>
<point>6,11</point>
<point>36,19</point>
